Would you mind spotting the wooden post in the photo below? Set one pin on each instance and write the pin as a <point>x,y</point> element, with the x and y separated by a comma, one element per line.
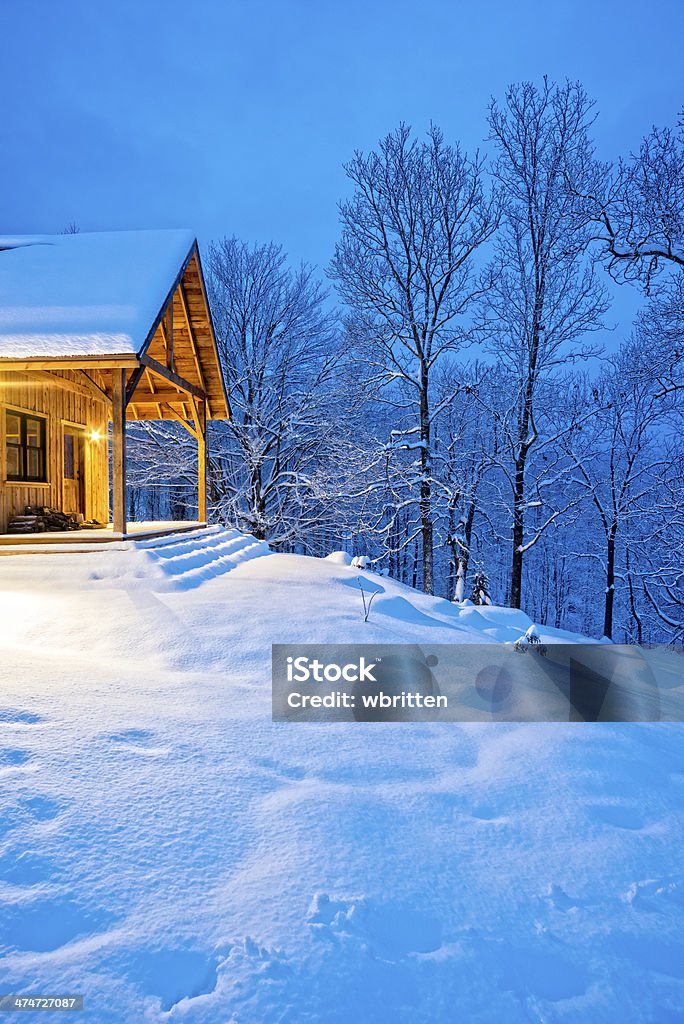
<point>168,335</point>
<point>202,462</point>
<point>119,451</point>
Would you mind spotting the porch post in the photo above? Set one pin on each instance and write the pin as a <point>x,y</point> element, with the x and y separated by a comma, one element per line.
<point>202,461</point>
<point>119,451</point>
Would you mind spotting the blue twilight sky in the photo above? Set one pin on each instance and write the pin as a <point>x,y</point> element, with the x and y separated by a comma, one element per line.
<point>235,116</point>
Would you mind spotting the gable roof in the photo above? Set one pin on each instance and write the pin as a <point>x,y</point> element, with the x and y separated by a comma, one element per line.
<point>93,294</point>
<point>101,296</point>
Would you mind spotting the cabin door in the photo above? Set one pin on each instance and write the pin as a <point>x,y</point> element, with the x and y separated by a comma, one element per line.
<point>73,475</point>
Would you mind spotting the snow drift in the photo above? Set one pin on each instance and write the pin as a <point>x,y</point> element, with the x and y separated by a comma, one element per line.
<point>171,854</point>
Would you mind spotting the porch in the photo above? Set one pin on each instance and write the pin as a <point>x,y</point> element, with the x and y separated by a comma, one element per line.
<point>72,541</point>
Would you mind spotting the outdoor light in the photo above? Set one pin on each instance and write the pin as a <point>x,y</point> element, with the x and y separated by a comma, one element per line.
<point>95,435</point>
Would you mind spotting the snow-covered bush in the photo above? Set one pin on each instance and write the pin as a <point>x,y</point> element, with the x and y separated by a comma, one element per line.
<point>361,562</point>
<point>530,640</point>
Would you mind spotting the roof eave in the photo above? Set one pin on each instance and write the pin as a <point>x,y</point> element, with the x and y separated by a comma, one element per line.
<point>122,360</point>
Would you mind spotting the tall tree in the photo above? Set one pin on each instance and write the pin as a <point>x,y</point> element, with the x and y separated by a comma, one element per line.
<point>620,458</point>
<point>545,297</point>
<point>404,267</point>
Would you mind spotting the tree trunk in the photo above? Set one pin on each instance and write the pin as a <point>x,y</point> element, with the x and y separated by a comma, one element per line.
<point>610,584</point>
<point>425,488</point>
<point>456,568</point>
<point>632,598</point>
<point>426,535</point>
<point>258,509</point>
<point>461,552</point>
<point>414,578</point>
<point>459,586</point>
<point>518,531</point>
<point>525,442</point>
<point>451,581</point>
<point>393,555</point>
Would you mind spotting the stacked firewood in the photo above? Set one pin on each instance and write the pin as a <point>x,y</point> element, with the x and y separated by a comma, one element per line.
<point>42,519</point>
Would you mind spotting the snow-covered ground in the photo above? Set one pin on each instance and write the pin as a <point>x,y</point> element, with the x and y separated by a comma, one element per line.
<point>173,855</point>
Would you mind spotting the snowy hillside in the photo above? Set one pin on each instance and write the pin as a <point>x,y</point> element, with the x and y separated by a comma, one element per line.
<point>171,854</point>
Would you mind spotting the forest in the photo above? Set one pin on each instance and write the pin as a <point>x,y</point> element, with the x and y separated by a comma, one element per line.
<point>441,398</point>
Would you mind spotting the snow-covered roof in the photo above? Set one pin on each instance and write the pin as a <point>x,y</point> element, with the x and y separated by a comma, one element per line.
<point>86,294</point>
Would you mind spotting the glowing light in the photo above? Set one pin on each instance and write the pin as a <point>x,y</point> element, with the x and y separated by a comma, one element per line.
<point>95,435</point>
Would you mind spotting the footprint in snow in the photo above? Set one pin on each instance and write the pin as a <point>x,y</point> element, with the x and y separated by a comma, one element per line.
<point>41,808</point>
<point>484,812</point>
<point>285,771</point>
<point>391,930</point>
<point>616,815</point>
<point>367,774</point>
<point>26,812</point>
<point>557,898</point>
<point>655,954</point>
<point>26,868</point>
<point>538,970</point>
<point>11,758</point>
<point>657,894</point>
<point>18,717</point>
<point>44,925</point>
<point>138,741</point>
<point>170,975</point>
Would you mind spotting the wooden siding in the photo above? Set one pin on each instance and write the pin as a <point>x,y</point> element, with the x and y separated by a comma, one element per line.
<point>59,405</point>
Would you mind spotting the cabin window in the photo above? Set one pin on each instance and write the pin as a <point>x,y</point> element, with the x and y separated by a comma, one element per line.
<point>25,447</point>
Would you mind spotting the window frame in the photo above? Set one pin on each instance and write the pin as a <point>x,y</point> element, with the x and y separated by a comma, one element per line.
<point>23,447</point>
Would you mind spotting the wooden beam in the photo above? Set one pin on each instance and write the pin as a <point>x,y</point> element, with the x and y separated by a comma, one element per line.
<point>197,263</point>
<point>193,340</point>
<point>119,451</point>
<point>161,397</point>
<point>167,329</point>
<point>150,383</point>
<point>97,391</point>
<point>162,333</point>
<point>100,379</point>
<point>183,422</point>
<point>133,382</point>
<point>202,478</point>
<point>77,363</point>
<point>199,414</point>
<point>50,380</point>
<point>163,371</point>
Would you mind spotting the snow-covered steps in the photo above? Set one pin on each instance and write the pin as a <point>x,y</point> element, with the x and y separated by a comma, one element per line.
<point>191,558</point>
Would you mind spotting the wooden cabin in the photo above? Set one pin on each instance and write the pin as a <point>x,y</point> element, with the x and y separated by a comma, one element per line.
<point>99,329</point>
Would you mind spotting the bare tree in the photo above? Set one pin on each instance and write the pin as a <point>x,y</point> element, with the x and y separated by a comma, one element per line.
<point>640,214</point>
<point>660,572</point>
<point>620,460</point>
<point>404,267</point>
<point>279,349</point>
<point>660,327</point>
<point>545,297</point>
<point>466,448</point>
